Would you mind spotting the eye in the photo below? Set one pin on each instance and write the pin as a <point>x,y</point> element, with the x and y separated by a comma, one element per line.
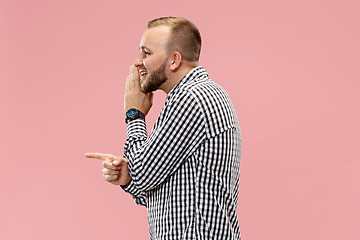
<point>146,54</point>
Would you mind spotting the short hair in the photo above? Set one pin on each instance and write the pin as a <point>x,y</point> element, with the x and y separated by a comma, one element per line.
<point>184,36</point>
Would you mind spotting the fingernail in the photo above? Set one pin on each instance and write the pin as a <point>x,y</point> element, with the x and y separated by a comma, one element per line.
<point>116,162</point>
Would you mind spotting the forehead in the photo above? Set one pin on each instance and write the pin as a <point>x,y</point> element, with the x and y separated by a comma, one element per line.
<point>155,37</point>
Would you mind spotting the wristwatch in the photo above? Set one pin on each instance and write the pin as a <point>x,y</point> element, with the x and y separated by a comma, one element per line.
<point>133,114</point>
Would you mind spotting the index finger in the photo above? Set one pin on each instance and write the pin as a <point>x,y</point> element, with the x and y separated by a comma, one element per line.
<point>101,156</point>
<point>134,71</point>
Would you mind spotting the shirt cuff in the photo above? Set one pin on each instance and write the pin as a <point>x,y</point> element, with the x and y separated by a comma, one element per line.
<point>131,188</point>
<point>136,127</point>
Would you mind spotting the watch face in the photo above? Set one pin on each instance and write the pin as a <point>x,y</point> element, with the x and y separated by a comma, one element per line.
<point>131,113</point>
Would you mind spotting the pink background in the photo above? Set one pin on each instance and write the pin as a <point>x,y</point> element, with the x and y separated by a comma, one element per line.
<point>290,67</point>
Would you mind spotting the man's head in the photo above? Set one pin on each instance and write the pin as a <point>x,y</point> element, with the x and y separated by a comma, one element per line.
<point>184,37</point>
<point>170,45</point>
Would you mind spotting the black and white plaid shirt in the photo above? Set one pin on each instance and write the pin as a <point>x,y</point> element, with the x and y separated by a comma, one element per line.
<point>187,171</point>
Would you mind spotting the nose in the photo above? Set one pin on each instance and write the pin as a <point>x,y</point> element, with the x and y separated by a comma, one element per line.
<point>138,62</point>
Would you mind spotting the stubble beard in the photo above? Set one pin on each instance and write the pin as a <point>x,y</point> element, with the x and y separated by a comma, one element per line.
<point>154,80</point>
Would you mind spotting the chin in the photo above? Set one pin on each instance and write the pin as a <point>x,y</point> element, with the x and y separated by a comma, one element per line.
<point>143,86</point>
<point>142,89</point>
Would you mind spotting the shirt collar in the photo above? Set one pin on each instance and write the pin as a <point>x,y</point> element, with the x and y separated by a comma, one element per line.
<point>190,76</point>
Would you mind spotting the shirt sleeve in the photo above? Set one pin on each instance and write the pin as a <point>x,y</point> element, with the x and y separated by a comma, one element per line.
<point>177,135</point>
<point>136,129</point>
<point>139,196</point>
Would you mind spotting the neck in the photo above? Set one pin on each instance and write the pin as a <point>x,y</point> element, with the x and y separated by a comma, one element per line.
<point>176,76</point>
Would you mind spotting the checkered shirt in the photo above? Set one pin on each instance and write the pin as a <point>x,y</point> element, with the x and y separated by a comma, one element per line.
<point>186,172</point>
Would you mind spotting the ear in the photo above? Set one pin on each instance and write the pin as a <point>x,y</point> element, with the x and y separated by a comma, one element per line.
<point>175,61</point>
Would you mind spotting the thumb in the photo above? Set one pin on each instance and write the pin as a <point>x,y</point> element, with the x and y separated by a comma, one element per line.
<point>118,161</point>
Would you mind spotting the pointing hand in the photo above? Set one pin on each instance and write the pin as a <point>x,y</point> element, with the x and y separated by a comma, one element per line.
<point>115,169</point>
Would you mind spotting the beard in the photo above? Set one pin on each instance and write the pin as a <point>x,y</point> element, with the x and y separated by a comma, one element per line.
<point>154,80</point>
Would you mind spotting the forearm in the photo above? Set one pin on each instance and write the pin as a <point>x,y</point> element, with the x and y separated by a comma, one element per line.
<point>136,136</point>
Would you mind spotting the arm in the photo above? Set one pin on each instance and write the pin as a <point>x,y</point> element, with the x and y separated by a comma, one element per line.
<point>179,133</point>
<point>135,98</point>
<point>139,136</point>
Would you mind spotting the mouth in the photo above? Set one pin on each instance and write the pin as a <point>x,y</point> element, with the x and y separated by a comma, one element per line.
<point>143,75</point>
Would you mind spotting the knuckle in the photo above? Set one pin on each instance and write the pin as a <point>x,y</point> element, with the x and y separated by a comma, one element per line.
<point>107,177</point>
<point>106,164</point>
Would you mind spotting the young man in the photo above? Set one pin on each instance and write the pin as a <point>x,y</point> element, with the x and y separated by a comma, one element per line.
<point>187,171</point>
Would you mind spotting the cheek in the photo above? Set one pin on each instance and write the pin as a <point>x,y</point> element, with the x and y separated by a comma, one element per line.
<point>153,62</point>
